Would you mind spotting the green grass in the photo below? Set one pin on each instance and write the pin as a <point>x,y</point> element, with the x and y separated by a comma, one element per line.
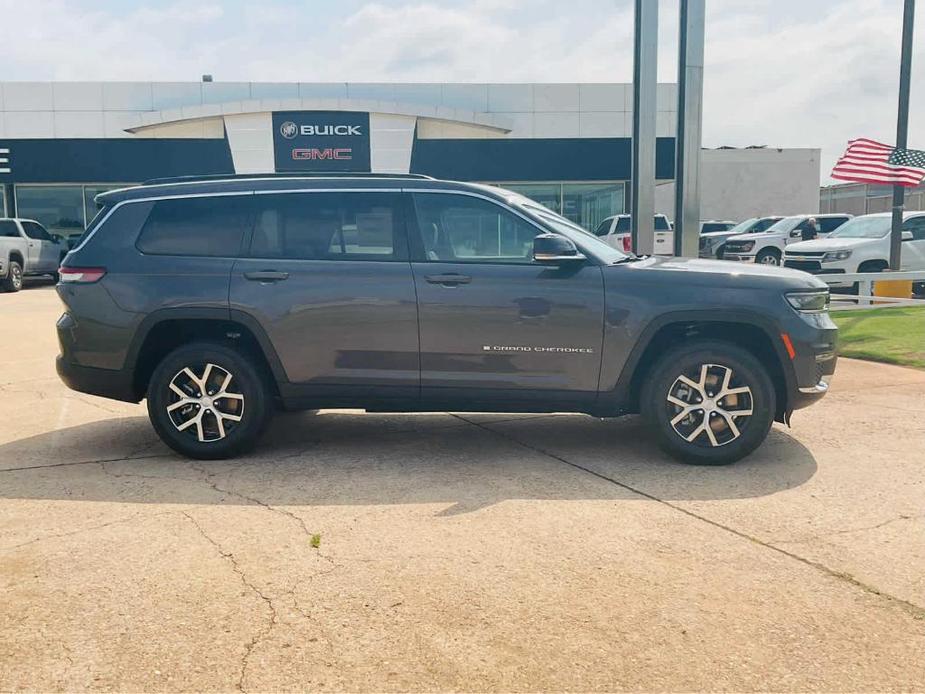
<point>890,335</point>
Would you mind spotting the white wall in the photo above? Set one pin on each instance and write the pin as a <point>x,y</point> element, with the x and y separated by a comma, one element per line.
<point>740,183</point>
<point>106,109</point>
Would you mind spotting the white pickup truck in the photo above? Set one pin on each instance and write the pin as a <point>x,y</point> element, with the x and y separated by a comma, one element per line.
<point>26,248</point>
<point>767,247</point>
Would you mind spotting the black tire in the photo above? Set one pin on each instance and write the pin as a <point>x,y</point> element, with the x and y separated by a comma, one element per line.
<point>869,266</point>
<point>768,256</point>
<point>719,446</point>
<point>247,390</point>
<point>13,280</point>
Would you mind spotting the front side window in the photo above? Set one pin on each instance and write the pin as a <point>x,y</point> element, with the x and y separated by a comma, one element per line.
<point>35,231</point>
<point>328,226</point>
<point>208,226</point>
<point>8,229</point>
<point>917,226</point>
<point>465,229</point>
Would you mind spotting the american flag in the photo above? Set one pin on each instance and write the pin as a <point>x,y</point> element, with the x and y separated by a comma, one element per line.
<point>869,161</point>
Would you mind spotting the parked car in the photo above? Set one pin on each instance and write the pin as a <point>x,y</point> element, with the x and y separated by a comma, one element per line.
<point>26,248</point>
<point>616,232</point>
<point>861,245</point>
<point>218,300</point>
<point>713,243</point>
<point>767,248</point>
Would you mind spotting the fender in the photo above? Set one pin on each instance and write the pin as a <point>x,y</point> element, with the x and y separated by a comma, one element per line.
<point>223,315</point>
<point>618,399</point>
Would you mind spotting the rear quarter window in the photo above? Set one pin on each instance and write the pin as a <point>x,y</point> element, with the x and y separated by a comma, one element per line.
<point>208,226</point>
<point>8,229</point>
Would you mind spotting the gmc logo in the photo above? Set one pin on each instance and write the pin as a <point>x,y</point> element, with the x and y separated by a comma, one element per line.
<point>336,153</point>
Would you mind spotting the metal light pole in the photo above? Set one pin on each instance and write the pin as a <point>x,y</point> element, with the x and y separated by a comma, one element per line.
<point>690,128</point>
<point>902,131</point>
<point>645,83</point>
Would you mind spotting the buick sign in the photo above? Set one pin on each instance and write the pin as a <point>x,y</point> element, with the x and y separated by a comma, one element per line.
<point>321,141</point>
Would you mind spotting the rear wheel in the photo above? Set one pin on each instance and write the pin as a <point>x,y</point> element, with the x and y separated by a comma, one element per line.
<point>709,403</point>
<point>208,401</point>
<point>13,280</point>
<point>769,256</point>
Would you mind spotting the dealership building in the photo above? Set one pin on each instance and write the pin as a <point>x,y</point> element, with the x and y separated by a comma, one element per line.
<point>567,146</point>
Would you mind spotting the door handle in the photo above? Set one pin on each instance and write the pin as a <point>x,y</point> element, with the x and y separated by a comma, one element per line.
<point>448,280</point>
<point>266,276</point>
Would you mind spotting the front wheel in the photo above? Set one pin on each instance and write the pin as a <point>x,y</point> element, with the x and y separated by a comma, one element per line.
<point>208,401</point>
<point>709,403</point>
<point>769,256</point>
<point>13,280</point>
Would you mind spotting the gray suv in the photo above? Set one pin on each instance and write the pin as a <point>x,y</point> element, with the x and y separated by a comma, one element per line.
<point>220,300</point>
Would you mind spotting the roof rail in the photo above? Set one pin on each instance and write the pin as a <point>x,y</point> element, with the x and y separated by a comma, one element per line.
<point>281,174</point>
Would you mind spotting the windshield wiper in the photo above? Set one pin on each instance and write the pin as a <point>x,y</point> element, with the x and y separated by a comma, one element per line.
<point>630,259</point>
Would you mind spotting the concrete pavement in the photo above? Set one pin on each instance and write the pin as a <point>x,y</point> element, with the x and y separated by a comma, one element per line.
<point>476,552</point>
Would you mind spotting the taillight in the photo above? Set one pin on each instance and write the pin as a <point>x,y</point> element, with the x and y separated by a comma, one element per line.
<point>81,275</point>
<point>628,243</point>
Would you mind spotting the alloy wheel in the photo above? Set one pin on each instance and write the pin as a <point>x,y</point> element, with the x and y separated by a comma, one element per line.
<point>16,277</point>
<point>204,402</point>
<point>709,408</point>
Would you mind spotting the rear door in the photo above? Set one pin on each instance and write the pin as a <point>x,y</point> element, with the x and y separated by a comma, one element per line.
<point>327,277</point>
<point>46,251</point>
<point>495,325</point>
<point>664,236</point>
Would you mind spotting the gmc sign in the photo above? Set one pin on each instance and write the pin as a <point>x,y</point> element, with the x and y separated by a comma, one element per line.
<point>321,141</point>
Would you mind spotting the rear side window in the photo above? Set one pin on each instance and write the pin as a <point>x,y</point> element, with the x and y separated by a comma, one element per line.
<point>623,224</point>
<point>328,226</point>
<point>827,224</point>
<point>603,228</point>
<point>8,229</point>
<point>35,231</point>
<point>208,226</point>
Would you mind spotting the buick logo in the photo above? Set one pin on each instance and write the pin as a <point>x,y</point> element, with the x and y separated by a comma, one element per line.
<point>289,130</point>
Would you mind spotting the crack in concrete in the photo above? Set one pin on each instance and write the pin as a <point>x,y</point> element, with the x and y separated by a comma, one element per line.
<point>96,461</point>
<point>917,611</point>
<point>84,530</point>
<point>847,531</point>
<point>274,617</point>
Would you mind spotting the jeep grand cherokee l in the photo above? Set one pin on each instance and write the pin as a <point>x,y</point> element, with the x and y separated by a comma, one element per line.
<point>218,300</point>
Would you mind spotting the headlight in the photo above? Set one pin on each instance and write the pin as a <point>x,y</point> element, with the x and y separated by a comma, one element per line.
<point>742,245</point>
<point>811,301</point>
<point>836,255</point>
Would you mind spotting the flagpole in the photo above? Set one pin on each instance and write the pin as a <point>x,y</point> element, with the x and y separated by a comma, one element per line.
<point>902,131</point>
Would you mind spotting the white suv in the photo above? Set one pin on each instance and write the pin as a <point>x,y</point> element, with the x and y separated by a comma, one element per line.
<point>616,232</point>
<point>861,245</point>
<point>767,248</point>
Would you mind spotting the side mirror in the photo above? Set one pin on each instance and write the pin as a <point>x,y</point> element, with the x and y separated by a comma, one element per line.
<point>907,236</point>
<point>553,248</point>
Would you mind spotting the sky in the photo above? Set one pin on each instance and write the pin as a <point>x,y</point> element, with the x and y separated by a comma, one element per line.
<point>782,73</point>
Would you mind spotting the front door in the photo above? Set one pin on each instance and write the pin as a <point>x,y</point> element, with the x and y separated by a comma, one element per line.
<point>494,324</point>
<point>329,281</point>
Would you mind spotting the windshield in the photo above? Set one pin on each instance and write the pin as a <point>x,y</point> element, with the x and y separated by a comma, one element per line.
<point>569,229</point>
<point>786,225</point>
<point>863,228</point>
<point>743,227</point>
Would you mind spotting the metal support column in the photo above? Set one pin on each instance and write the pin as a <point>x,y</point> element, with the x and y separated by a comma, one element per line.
<point>902,132</point>
<point>690,128</point>
<point>645,83</point>
<point>7,193</point>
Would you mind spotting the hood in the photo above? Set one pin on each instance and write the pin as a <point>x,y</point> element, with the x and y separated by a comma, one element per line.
<point>830,244</point>
<point>756,236</point>
<point>719,234</point>
<point>722,273</point>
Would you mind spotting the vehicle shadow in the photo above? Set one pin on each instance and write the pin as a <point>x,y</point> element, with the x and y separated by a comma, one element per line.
<point>463,463</point>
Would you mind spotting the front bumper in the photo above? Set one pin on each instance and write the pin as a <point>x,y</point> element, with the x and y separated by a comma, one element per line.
<point>738,257</point>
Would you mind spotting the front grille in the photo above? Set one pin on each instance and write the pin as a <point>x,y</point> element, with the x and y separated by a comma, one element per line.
<point>804,265</point>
